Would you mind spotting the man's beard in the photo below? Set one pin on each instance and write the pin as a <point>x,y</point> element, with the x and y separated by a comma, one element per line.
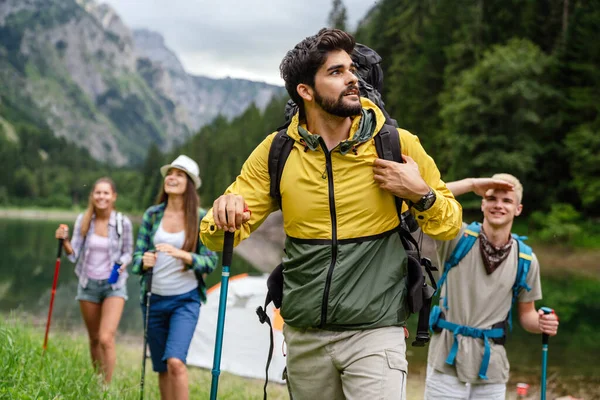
<point>337,107</point>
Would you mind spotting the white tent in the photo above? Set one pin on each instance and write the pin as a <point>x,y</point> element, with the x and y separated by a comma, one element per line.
<point>245,339</point>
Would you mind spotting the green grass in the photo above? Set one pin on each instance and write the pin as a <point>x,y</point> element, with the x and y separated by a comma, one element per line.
<point>589,238</point>
<point>25,374</point>
<point>65,372</point>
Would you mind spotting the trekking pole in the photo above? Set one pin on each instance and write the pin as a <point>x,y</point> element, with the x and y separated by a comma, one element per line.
<point>227,256</point>
<point>148,295</point>
<point>545,339</point>
<point>53,293</point>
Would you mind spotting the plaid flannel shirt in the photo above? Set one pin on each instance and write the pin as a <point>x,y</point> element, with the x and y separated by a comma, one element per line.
<point>203,259</point>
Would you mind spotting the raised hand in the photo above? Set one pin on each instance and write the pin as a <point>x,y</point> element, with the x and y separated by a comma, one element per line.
<point>401,179</point>
<point>482,185</point>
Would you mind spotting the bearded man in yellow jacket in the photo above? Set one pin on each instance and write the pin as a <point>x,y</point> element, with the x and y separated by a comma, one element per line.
<point>345,269</point>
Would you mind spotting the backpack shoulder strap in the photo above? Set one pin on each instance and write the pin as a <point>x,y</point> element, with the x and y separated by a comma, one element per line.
<point>119,223</point>
<point>525,258</point>
<point>281,148</point>
<point>387,144</point>
<point>523,265</point>
<point>120,229</point>
<point>464,245</point>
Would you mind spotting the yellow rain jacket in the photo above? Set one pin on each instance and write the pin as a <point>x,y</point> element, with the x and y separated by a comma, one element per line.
<point>345,267</point>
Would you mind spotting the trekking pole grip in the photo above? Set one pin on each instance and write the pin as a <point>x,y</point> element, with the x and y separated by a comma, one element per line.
<point>149,274</point>
<point>60,242</point>
<point>545,336</point>
<point>228,248</point>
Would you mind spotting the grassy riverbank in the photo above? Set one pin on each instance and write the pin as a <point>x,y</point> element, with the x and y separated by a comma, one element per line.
<point>65,371</point>
<point>43,214</point>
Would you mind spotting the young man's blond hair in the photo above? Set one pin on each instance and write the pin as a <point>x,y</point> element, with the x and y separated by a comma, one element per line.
<point>518,187</point>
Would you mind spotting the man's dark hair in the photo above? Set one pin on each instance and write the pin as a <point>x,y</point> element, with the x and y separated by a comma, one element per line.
<point>300,64</point>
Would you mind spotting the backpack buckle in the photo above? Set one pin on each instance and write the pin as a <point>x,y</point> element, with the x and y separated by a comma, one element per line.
<point>426,262</point>
<point>262,315</point>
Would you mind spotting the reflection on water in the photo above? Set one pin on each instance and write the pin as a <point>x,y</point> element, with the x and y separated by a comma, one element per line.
<point>27,270</point>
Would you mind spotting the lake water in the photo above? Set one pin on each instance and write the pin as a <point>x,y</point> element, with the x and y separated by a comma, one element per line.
<point>27,269</point>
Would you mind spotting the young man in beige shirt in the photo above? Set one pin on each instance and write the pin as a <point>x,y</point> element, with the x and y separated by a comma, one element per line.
<point>477,293</point>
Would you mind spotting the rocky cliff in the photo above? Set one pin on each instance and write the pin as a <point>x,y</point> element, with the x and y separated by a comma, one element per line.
<point>73,65</point>
<point>203,98</point>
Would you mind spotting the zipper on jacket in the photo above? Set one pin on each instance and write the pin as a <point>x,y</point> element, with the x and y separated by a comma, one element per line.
<point>334,242</point>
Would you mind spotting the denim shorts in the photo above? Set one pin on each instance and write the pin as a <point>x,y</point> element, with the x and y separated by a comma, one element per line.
<point>172,321</point>
<point>98,290</point>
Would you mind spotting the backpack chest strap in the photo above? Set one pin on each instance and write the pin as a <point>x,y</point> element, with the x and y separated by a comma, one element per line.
<point>437,321</point>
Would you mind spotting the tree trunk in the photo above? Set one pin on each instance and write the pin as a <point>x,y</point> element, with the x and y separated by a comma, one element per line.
<point>565,21</point>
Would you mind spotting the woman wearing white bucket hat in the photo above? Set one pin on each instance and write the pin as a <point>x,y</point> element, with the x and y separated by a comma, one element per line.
<point>187,165</point>
<point>168,245</point>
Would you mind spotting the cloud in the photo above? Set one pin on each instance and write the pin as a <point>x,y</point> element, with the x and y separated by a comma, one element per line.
<point>241,39</point>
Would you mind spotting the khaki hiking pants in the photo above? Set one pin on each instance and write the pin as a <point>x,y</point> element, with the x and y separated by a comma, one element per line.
<point>353,365</point>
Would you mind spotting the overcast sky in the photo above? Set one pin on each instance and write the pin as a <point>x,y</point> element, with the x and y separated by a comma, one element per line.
<point>236,38</point>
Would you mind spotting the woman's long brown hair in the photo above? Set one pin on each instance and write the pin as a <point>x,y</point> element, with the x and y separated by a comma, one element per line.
<point>91,210</point>
<point>191,202</point>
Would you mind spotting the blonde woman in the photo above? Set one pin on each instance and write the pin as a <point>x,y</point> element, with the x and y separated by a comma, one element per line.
<point>169,244</point>
<point>102,238</point>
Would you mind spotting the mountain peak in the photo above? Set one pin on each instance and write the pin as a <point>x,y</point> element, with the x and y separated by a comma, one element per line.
<point>203,98</point>
<point>151,44</point>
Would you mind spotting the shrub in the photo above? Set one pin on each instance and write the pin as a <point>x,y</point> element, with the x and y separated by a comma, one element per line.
<point>560,225</point>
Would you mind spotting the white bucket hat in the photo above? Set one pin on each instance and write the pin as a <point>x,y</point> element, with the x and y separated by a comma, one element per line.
<point>187,165</point>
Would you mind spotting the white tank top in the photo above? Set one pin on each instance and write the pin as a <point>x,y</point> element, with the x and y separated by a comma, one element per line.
<point>168,278</point>
<point>98,258</point>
